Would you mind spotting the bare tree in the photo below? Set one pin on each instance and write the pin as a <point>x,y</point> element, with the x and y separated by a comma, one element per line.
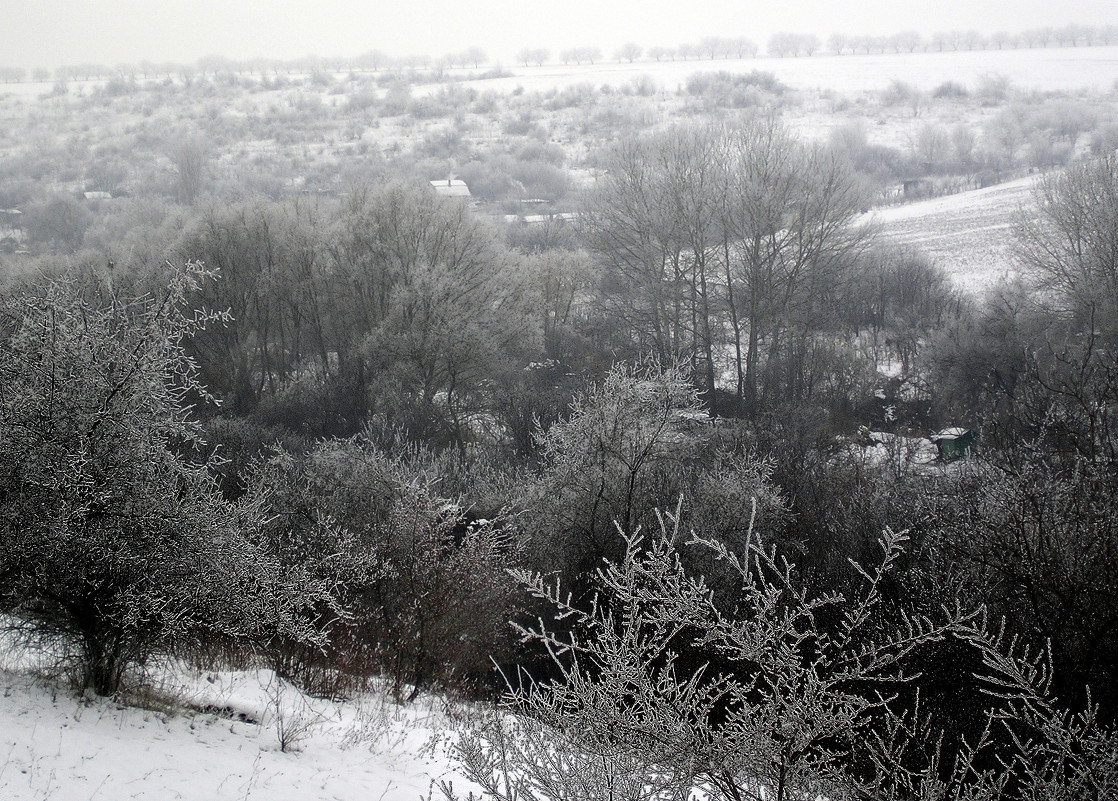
<point>1071,243</point>
<point>432,304</point>
<point>475,56</point>
<point>721,240</point>
<point>1002,39</point>
<point>782,44</point>
<point>651,224</point>
<point>973,40</point>
<point>786,240</point>
<point>590,54</point>
<point>908,41</point>
<point>188,152</point>
<point>713,47</point>
<point>533,55</point>
<point>630,52</point>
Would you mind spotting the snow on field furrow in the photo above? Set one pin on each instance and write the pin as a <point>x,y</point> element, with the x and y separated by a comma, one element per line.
<point>970,235</point>
<point>1004,198</point>
<point>1048,69</point>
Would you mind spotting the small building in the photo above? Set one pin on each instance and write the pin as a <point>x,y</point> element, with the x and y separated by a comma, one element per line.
<point>918,187</point>
<point>953,442</point>
<point>451,187</point>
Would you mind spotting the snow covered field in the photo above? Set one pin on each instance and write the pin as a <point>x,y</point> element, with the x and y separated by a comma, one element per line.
<point>969,235</point>
<point>1045,69</point>
<point>54,745</point>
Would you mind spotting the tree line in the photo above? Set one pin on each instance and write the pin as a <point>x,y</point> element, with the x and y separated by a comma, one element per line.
<point>780,45</point>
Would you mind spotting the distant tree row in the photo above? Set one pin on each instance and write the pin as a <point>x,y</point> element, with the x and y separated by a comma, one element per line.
<point>580,55</point>
<point>534,55</point>
<point>710,47</point>
<point>784,43</point>
<point>371,61</point>
<point>955,40</point>
<point>794,44</point>
<point>781,44</point>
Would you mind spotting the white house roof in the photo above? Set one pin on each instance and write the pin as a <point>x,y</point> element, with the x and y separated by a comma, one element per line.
<point>950,433</point>
<point>451,187</point>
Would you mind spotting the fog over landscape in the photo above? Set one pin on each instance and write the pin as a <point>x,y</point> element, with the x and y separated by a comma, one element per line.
<point>559,402</point>
<point>55,32</point>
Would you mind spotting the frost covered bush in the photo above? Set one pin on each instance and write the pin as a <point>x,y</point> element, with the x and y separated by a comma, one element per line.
<point>660,692</point>
<point>637,441</point>
<point>418,587</point>
<point>113,540</point>
<point>726,90</point>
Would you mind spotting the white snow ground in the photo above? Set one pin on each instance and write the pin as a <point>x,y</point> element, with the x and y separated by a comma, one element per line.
<point>55,745</point>
<point>1046,69</point>
<point>969,234</point>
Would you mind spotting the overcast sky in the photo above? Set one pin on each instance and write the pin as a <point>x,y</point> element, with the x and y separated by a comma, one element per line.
<point>48,33</point>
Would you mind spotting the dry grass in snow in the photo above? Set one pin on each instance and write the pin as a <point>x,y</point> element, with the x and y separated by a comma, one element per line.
<point>209,736</point>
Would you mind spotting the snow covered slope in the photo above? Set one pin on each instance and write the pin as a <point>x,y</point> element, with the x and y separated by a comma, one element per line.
<point>56,746</point>
<point>970,234</point>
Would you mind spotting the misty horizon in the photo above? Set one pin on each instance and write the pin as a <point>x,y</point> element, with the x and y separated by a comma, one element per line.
<point>54,33</point>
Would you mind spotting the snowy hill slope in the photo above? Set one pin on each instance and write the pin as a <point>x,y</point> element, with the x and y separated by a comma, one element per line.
<point>969,235</point>
<point>56,746</point>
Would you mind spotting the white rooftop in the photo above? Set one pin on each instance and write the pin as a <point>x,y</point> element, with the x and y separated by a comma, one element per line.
<point>451,187</point>
<point>950,433</point>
